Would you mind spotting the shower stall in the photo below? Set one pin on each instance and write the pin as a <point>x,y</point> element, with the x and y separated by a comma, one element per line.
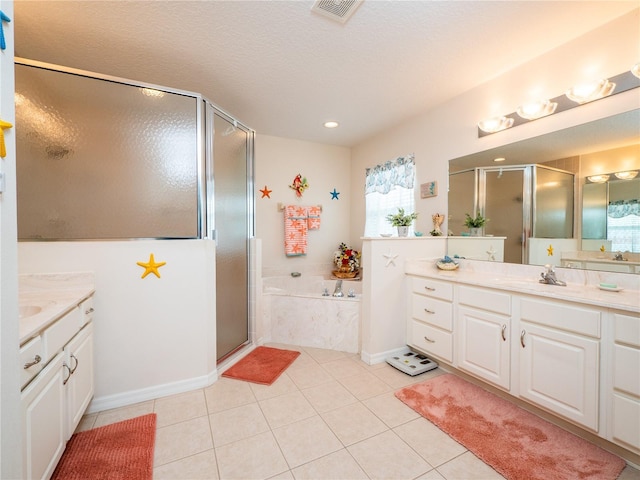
<point>520,202</point>
<point>102,158</point>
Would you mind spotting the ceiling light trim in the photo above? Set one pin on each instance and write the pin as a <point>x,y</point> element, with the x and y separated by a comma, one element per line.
<point>337,10</point>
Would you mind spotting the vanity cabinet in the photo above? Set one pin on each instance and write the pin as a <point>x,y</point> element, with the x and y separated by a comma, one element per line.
<point>625,393</point>
<point>482,335</point>
<point>430,325</point>
<point>560,359</point>
<point>58,393</point>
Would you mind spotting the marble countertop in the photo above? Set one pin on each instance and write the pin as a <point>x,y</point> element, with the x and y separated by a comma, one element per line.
<point>54,294</point>
<point>582,286</point>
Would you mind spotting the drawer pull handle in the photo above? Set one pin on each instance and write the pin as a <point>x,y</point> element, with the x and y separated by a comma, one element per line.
<point>64,382</point>
<point>36,360</point>
<point>429,340</point>
<point>522,338</point>
<point>73,357</point>
<point>504,337</point>
<point>87,312</point>
<point>431,289</point>
<point>429,311</point>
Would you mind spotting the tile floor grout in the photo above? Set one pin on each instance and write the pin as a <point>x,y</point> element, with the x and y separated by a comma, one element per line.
<point>290,435</point>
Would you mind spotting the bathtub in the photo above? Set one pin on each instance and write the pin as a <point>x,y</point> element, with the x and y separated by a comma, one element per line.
<point>295,312</point>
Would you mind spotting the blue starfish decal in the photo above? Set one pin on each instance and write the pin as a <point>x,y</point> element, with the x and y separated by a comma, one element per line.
<point>334,195</point>
<point>3,18</point>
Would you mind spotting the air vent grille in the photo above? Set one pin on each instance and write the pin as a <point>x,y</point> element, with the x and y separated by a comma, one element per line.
<point>338,10</point>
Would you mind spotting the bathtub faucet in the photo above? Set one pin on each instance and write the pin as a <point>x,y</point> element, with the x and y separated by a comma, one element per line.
<point>337,292</point>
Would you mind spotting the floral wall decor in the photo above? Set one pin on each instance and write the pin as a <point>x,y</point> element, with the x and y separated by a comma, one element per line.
<point>299,185</point>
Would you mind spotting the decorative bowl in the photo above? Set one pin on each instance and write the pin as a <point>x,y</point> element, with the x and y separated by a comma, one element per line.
<point>417,234</point>
<point>442,265</point>
<point>386,235</point>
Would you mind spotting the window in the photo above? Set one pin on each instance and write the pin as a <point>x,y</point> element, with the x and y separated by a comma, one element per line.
<point>388,187</point>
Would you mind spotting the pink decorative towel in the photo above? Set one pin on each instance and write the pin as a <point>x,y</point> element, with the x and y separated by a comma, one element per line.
<point>295,230</point>
<point>313,222</point>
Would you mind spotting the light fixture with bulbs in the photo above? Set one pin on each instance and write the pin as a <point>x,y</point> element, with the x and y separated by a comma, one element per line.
<point>598,178</point>
<point>535,110</point>
<point>588,92</point>
<point>495,124</point>
<point>574,97</point>
<point>628,175</point>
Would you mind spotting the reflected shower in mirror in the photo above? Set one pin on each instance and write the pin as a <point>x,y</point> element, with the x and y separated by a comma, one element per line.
<point>597,219</point>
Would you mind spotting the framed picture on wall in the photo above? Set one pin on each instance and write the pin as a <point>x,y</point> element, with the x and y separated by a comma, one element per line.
<point>429,189</point>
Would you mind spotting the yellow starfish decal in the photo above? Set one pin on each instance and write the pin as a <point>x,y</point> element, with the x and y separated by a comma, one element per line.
<point>550,250</point>
<point>3,149</point>
<point>151,266</point>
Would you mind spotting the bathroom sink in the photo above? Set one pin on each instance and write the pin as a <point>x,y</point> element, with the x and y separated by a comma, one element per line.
<point>28,310</point>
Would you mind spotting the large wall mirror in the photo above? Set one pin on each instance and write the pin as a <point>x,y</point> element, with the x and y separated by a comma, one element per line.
<point>602,215</point>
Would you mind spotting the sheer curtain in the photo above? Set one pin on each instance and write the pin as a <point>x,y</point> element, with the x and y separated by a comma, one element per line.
<point>623,226</point>
<point>388,186</point>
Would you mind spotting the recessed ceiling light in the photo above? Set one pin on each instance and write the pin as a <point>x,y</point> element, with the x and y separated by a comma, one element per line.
<point>331,124</point>
<point>499,159</point>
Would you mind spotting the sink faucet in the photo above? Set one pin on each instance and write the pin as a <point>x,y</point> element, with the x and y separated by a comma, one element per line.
<point>618,257</point>
<point>549,277</point>
<point>337,292</point>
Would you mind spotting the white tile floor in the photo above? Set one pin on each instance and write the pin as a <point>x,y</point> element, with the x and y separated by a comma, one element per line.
<point>329,416</point>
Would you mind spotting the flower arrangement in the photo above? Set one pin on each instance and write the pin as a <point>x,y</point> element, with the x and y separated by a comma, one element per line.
<point>477,222</point>
<point>346,259</point>
<point>401,219</point>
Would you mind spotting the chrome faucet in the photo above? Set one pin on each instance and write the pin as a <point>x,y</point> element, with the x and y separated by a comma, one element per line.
<point>337,292</point>
<point>549,277</point>
<point>618,257</point>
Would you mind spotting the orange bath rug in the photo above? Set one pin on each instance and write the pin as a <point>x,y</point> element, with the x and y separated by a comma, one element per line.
<point>263,365</point>
<point>119,451</point>
<point>516,443</point>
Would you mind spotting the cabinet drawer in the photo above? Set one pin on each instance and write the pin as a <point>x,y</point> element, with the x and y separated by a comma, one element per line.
<point>433,311</point>
<point>485,299</point>
<point>31,354</point>
<point>60,332</point>
<point>560,316</point>
<point>627,329</point>
<point>431,340</point>
<point>432,288</point>
<point>86,311</point>
<point>625,373</point>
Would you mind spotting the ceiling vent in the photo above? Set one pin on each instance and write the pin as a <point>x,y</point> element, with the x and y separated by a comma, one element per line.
<point>337,10</point>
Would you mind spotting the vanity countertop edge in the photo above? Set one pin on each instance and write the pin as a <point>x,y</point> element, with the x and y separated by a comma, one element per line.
<point>628,299</point>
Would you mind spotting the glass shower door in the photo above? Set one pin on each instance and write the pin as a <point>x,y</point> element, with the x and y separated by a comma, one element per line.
<point>233,228</point>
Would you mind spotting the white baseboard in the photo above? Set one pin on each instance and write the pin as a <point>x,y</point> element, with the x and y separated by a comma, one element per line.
<point>99,404</point>
<point>372,359</point>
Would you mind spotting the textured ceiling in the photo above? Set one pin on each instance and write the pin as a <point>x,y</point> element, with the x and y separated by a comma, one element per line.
<point>284,71</point>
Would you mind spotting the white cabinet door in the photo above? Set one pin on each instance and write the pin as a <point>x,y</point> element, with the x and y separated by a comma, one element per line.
<point>80,385</point>
<point>43,425</point>
<point>559,371</point>
<point>483,345</point>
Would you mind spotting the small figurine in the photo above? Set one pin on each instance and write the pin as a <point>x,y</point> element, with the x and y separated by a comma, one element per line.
<point>299,185</point>
<point>438,220</point>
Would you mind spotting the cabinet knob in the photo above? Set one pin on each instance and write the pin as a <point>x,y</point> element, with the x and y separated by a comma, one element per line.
<point>73,370</point>
<point>429,311</point>
<point>64,382</point>
<point>504,329</point>
<point>37,359</point>
<point>429,340</point>
<point>431,289</point>
<point>522,338</point>
<point>87,312</point>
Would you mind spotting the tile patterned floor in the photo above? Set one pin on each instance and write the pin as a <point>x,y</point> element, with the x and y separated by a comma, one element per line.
<point>329,416</point>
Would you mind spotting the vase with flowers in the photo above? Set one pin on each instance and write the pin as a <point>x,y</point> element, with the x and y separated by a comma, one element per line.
<point>347,262</point>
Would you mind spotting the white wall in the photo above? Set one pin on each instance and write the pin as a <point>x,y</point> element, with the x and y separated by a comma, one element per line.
<point>10,423</point>
<point>450,131</point>
<point>153,336</point>
<point>278,161</point>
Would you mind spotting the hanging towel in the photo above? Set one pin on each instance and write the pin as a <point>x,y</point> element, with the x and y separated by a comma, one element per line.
<point>314,217</point>
<point>295,230</point>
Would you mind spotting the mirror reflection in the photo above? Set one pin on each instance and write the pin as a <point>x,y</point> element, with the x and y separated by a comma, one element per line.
<point>568,198</point>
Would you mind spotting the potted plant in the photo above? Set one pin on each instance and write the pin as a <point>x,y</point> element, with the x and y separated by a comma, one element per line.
<point>402,221</point>
<point>475,224</point>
